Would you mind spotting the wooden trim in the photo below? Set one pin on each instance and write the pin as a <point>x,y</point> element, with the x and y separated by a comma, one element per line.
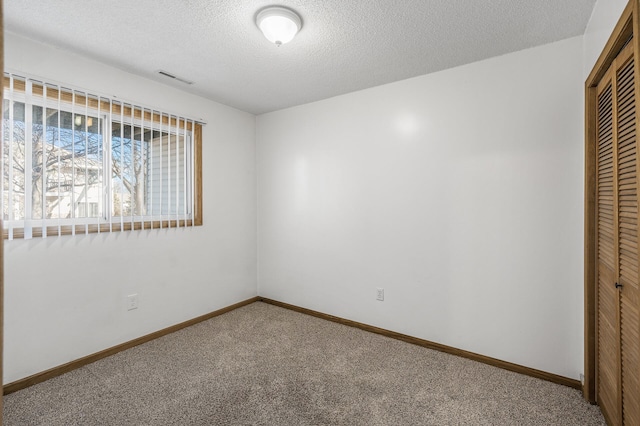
<point>81,362</point>
<point>621,33</point>
<point>590,252</point>
<point>623,30</point>
<point>436,346</point>
<point>70,366</point>
<point>197,170</point>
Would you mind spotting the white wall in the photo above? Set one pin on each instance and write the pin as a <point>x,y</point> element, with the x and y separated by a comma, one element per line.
<point>603,19</point>
<point>64,296</point>
<point>460,193</point>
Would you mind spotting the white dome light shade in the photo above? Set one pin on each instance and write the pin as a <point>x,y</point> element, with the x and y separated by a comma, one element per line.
<point>278,24</point>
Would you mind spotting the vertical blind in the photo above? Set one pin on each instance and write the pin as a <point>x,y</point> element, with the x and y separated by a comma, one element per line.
<point>77,162</point>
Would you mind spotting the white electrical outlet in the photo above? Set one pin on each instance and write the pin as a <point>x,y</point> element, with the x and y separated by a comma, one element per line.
<point>132,302</point>
<point>380,294</point>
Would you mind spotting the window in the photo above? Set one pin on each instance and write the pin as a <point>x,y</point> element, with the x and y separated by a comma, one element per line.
<point>73,162</point>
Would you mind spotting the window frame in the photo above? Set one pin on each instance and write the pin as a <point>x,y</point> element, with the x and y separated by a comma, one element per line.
<point>63,98</point>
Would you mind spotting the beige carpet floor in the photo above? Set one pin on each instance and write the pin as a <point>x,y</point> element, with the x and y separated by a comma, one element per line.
<point>264,365</point>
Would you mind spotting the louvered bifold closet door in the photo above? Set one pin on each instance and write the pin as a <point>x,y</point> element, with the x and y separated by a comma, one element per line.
<point>617,295</point>
<point>607,306</point>
<point>627,289</point>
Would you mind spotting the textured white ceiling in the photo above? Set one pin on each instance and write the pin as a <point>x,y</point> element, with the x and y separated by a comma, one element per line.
<point>344,45</point>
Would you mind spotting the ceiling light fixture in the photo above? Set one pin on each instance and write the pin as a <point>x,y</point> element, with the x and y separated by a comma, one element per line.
<point>278,24</point>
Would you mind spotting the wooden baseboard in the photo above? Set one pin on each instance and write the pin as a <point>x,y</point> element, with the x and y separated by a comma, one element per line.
<point>436,346</point>
<point>65,368</point>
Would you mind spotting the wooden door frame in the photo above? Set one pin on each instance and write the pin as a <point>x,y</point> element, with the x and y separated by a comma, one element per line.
<point>627,25</point>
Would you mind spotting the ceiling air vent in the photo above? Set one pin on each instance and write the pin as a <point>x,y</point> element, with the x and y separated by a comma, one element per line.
<point>173,77</point>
